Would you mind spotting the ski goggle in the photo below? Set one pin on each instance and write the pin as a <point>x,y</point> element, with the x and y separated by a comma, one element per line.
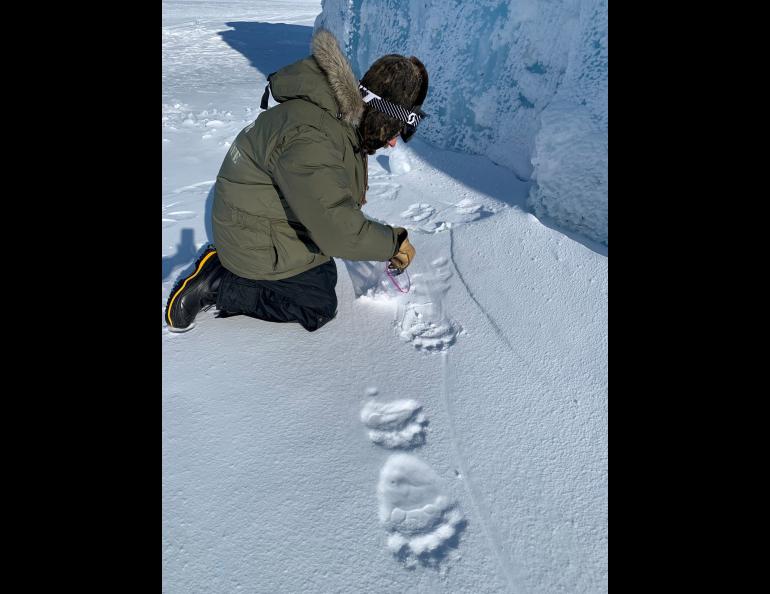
<point>410,117</point>
<point>410,129</point>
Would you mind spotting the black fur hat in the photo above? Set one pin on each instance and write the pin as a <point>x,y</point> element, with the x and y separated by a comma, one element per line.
<point>398,79</point>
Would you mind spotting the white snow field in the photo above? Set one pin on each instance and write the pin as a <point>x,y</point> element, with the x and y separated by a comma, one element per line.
<point>452,438</point>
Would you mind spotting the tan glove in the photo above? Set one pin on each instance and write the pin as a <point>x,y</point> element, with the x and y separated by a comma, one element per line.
<point>405,251</point>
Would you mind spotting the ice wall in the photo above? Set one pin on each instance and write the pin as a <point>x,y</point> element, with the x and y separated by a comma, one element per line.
<point>521,81</point>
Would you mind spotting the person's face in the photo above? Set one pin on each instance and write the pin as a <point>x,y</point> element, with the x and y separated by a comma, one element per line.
<point>392,142</point>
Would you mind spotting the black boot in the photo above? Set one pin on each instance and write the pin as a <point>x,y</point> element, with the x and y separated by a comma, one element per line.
<point>194,292</point>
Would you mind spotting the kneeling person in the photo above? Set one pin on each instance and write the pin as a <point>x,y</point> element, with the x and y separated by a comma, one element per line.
<point>288,196</point>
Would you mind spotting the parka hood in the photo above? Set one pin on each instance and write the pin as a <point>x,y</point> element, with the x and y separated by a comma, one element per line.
<point>325,79</point>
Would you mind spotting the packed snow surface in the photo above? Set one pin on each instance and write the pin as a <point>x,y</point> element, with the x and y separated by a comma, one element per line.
<point>450,438</point>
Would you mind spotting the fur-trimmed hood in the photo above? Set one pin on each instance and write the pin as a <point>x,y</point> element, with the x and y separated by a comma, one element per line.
<point>340,75</point>
<point>289,193</point>
<point>305,80</point>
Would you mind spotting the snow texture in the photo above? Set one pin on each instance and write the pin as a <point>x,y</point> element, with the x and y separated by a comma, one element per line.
<point>271,481</point>
<point>397,424</point>
<point>415,509</point>
<point>523,82</point>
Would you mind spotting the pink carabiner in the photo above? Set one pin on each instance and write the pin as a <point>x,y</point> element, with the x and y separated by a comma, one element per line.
<point>393,280</point>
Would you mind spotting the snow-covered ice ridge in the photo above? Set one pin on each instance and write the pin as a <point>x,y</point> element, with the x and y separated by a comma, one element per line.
<point>523,82</point>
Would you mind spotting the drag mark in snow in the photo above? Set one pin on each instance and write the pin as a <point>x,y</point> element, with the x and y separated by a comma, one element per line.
<point>544,380</point>
<point>477,501</point>
<point>396,424</point>
<point>491,321</point>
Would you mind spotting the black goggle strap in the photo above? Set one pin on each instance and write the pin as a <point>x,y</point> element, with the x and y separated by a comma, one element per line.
<point>267,93</point>
<point>411,118</point>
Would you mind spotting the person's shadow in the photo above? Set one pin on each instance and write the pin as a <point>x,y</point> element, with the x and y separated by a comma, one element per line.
<point>185,253</point>
<point>268,47</point>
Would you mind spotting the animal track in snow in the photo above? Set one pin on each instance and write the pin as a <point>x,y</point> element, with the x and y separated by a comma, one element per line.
<point>420,317</point>
<point>416,511</point>
<point>421,320</point>
<point>383,191</point>
<point>181,116</point>
<point>426,218</point>
<point>425,330</point>
<point>467,210</point>
<point>418,212</point>
<point>396,424</point>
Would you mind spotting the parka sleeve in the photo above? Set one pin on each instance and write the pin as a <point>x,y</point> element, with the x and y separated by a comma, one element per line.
<point>310,175</point>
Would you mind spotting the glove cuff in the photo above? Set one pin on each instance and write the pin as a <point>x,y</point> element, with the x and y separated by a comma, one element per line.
<point>400,238</point>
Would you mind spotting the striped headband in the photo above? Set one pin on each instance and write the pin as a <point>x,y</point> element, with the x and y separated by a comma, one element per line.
<point>388,107</point>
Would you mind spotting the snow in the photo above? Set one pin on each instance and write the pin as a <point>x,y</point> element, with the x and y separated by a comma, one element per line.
<point>522,82</point>
<point>416,511</point>
<point>448,439</point>
<point>396,424</point>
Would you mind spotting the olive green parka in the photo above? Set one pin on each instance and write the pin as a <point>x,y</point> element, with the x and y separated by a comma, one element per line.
<point>289,193</point>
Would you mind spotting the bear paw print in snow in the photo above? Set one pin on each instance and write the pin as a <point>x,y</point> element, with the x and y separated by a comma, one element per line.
<point>396,424</point>
<point>414,508</point>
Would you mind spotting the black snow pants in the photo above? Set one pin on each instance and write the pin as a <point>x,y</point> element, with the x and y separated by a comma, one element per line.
<point>308,298</point>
